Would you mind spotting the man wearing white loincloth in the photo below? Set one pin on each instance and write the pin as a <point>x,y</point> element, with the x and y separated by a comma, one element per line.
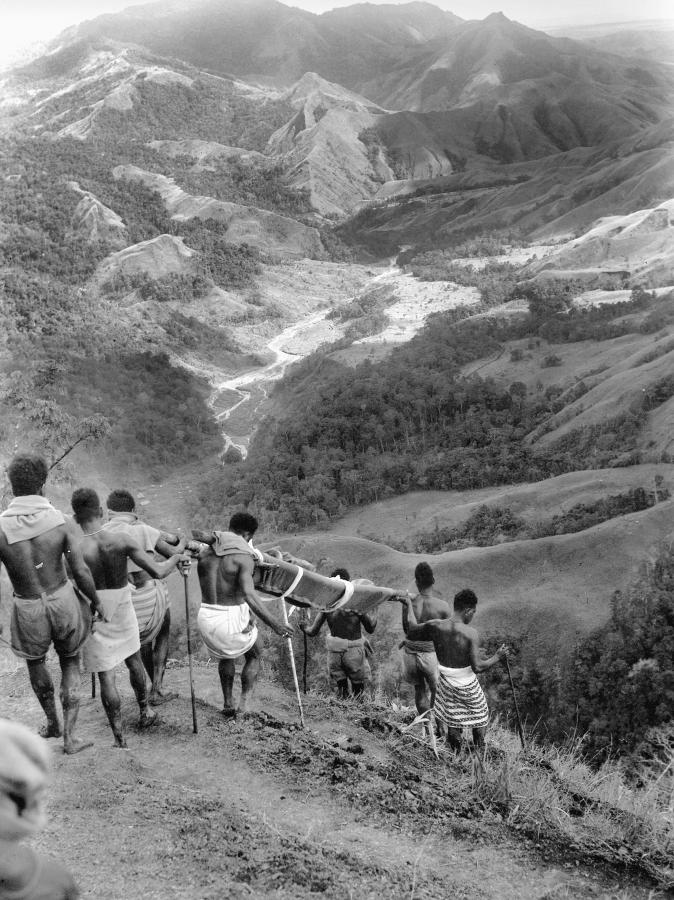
<point>117,640</point>
<point>228,595</point>
<point>420,664</point>
<point>459,701</point>
<point>149,595</point>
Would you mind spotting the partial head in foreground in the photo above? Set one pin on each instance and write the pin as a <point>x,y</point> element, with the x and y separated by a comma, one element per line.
<point>423,575</point>
<point>86,506</point>
<point>244,524</point>
<point>27,474</point>
<point>120,501</point>
<point>465,604</point>
<point>341,573</point>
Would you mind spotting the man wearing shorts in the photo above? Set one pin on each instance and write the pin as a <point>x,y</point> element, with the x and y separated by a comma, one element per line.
<point>35,539</point>
<point>347,647</point>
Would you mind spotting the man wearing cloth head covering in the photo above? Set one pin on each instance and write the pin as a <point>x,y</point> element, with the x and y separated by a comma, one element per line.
<point>25,875</point>
<point>35,539</point>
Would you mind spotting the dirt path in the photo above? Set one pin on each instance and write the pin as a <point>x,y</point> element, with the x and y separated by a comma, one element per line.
<point>264,809</point>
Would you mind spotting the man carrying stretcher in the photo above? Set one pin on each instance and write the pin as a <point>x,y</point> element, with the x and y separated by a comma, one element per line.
<point>459,701</point>
<point>225,570</point>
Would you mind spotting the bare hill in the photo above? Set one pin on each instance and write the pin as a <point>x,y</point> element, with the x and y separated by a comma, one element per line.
<point>399,519</point>
<point>259,228</point>
<point>553,589</point>
<point>639,246</point>
<point>163,255</point>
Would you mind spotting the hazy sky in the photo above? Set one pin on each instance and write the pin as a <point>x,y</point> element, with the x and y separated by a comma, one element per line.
<point>28,21</point>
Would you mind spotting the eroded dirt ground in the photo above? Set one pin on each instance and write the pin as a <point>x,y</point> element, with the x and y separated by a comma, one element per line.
<point>262,808</point>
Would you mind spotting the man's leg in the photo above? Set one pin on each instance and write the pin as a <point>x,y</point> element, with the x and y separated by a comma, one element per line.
<point>421,697</point>
<point>249,675</point>
<point>160,650</point>
<point>43,686</point>
<point>147,656</point>
<point>112,706</point>
<point>227,671</point>
<point>137,678</point>
<point>454,736</point>
<point>70,700</point>
<point>478,740</point>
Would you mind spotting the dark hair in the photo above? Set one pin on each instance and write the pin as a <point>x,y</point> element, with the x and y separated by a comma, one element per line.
<point>120,501</point>
<point>465,599</point>
<point>27,473</point>
<point>423,575</point>
<point>243,521</point>
<point>85,504</point>
<point>341,573</point>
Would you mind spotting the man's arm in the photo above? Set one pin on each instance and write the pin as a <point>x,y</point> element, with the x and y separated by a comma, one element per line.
<point>477,660</point>
<point>313,629</point>
<point>247,587</point>
<point>368,622</point>
<point>414,631</point>
<point>143,559</point>
<point>80,570</point>
<point>167,550</point>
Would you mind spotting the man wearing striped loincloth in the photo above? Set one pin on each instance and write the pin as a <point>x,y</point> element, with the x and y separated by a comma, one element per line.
<point>149,595</point>
<point>459,701</point>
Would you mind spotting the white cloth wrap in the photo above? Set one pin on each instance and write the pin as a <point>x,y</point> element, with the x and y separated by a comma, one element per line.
<point>112,642</point>
<point>460,701</point>
<point>227,631</point>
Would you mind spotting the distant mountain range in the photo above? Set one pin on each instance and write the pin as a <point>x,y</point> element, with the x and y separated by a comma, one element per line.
<point>367,102</point>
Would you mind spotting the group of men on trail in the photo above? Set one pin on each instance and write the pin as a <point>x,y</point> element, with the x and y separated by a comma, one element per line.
<point>116,610</point>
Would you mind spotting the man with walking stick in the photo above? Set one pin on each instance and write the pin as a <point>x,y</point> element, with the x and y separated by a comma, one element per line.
<point>459,701</point>
<point>228,597</point>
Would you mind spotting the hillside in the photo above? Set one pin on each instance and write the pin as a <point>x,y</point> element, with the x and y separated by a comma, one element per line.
<point>400,519</point>
<point>349,803</point>
<point>554,589</point>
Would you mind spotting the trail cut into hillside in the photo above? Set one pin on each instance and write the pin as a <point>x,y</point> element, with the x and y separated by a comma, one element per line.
<point>349,807</point>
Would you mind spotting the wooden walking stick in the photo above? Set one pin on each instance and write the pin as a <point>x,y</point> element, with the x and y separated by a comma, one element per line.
<point>304,661</point>
<point>292,664</point>
<point>185,572</point>
<point>520,730</point>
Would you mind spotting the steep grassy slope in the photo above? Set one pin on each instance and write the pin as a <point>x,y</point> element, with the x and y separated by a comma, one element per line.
<point>553,590</point>
<point>399,519</point>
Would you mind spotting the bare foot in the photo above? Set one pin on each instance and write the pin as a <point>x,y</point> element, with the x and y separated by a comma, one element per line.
<point>158,699</point>
<point>50,730</point>
<point>229,712</point>
<point>120,744</point>
<point>148,719</point>
<point>76,746</point>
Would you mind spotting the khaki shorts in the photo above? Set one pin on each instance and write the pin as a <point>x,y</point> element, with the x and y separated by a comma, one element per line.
<point>352,664</point>
<point>420,668</point>
<point>61,618</point>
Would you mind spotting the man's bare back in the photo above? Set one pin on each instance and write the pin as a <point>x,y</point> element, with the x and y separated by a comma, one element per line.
<point>37,566</point>
<point>221,577</point>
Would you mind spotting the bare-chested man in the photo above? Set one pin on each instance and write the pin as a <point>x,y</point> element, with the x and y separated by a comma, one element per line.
<point>106,553</point>
<point>150,595</point>
<point>347,650</point>
<point>460,702</point>
<point>35,539</point>
<point>420,663</point>
<point>228,596</point>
